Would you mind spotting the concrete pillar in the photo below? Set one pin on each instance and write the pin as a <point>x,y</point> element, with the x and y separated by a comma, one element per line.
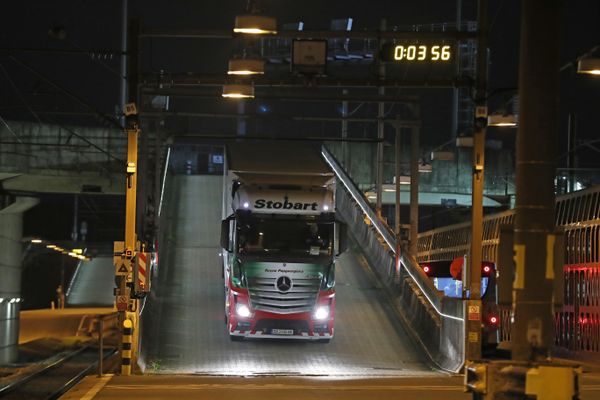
<point>11,233</point>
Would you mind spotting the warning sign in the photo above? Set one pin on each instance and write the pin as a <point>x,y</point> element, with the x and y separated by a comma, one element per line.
<point>142,262</point>
<point>474,314</point>
<point>122,303</point>
<point>122,269</point>
<point>473,337</point>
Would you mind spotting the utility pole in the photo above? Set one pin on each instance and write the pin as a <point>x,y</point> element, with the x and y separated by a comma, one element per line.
<point>398,172</point>
<point>124,267</point>
<point>473,303</point>
<point>345,131</point>
<point>379,164</point>
<point>414,183</point>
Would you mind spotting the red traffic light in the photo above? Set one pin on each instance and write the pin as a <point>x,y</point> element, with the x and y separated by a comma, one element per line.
<point>426,269</point>
<point>486,268</point>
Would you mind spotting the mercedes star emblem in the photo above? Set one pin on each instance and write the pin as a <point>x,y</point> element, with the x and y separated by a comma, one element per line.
<point>283,284</point>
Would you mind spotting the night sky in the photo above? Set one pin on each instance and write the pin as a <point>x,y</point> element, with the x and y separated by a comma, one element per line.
<point>96,25</point>
<point>93,28</point>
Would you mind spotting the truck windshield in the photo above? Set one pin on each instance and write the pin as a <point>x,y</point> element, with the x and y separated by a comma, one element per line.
<point>258,235</point>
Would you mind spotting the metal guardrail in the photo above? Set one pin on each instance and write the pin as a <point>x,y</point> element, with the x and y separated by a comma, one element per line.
<point>578,214</point>
<point>103,322</point>
<point>435,321</point>
<point>102,319</point>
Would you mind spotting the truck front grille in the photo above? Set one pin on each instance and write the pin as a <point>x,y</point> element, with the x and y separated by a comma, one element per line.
<point>265,296</point>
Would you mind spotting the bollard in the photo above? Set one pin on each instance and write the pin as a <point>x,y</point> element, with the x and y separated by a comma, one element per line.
<point>126,349</point>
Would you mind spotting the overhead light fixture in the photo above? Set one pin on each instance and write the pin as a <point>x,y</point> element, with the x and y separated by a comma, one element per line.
<point>254,24</point>
<point>36,241</point>
<point>246,66</point>
<point>404,180</point>
<point>425,167</point>
<point>589,66</point>
<point>238,91</point>
<point>509,120</point>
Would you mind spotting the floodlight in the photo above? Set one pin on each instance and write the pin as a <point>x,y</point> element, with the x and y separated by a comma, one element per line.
<point>255,24</point>
<point>238,91</point>
<point>589,66</point>
<point>246,66</point>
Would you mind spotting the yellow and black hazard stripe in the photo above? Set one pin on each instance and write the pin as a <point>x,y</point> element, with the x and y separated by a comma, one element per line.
<point>126,347</point>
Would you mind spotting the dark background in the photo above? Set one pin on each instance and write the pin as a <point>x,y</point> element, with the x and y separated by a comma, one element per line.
<point>94,29</point>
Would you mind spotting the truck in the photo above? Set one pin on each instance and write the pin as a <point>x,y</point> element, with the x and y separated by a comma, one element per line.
<point>280,241</point>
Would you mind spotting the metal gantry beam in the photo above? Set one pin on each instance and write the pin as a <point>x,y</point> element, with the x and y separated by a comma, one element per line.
<point>154,114</point>
<point>235,137</point>
<point>179,80</point>
<point>228,34</point>
<point>288,96</point>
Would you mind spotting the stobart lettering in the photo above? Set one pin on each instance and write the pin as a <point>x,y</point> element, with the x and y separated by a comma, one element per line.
<point>285,205</point>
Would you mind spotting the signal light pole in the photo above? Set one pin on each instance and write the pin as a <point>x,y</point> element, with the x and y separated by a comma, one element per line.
<point>473,306</point>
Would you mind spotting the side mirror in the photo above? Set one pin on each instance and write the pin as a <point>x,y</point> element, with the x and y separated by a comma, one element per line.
<point>342,237</point>
<point>225,234</point>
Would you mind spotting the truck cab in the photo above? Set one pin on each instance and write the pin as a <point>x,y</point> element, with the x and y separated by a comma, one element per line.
<point>280,244</point>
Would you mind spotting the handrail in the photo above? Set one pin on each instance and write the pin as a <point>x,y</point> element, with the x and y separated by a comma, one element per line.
<point>360,199</point>
<point>425,285</point>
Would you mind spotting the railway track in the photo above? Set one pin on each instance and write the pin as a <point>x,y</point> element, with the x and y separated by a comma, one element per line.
<point>53,380</point>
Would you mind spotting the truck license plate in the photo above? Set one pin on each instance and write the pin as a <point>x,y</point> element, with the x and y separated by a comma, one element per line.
<point>282,331</point>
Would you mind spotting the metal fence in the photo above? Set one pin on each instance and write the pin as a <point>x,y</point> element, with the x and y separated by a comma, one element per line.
<point>578,322</point>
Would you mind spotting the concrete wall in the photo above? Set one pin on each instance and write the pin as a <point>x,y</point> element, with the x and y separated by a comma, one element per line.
<point>447,176</point>
<point>50,158</point>
<point>11,230</point>
<point>28,147</point>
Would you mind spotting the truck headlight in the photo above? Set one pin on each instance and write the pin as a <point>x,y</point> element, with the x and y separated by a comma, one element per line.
<point>321,313</point>
<point>242,310</point>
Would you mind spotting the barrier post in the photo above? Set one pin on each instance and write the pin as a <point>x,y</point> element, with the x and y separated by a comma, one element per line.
<point>126,347</point>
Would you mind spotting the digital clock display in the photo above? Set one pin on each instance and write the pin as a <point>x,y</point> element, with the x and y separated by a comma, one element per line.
<point>437,53</point>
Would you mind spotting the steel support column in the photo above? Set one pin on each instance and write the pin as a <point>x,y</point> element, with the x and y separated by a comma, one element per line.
<point>473,305</point>
<point>379,160</point>
<point>398,172</point>
<point>345,132</point>
<point>414,185</point>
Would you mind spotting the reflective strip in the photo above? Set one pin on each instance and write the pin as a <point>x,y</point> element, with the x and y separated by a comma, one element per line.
<point>142,263</point>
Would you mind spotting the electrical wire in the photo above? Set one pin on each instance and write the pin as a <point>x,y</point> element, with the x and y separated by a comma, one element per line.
<point>19,94</point>
<point>10,130</point>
